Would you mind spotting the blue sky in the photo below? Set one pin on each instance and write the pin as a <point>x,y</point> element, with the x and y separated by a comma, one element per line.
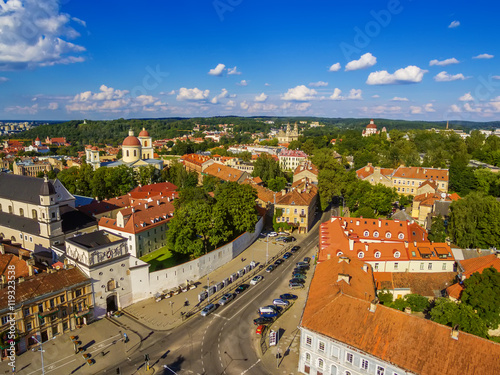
<point>403,59</point>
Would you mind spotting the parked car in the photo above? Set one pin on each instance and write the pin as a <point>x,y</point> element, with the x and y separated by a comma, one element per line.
<point>278,262</point>
<point>208,309</point>
<point>281,302</point>
<point>287,255</point>
<point>295,285</point>
<point>299,276</point>
<point>226,298</point>
<point>299,270</point>
<point>289,239</point>
<point>259,329</point>
<point>297,280</point>
<point>295,249</point>
<point>241,288</point>
<point>303,266</point>
<point>298,264</point>
<point>261,320</point>
<point>270,268</point>
<point>272,234</point>
<point>281,238</point>
<point>288,296</point>
<point>283,234</point>
<point>307,260</point>
<point>256,279</point>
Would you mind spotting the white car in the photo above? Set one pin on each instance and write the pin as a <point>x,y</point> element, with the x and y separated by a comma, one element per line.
<point>280,302</point>
<point>226,298</point>
<point>256,279</point>
<point>208,310</point>
<point>272,234</point>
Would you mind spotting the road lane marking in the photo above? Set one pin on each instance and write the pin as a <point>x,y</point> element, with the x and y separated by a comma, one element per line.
<point>248,369</point>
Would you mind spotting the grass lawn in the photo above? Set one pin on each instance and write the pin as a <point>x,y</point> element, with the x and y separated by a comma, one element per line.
<point>160,259</point>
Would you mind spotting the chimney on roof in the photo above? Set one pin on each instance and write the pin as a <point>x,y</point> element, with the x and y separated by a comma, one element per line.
<point>133,209</point>
<point>146,205</point>
<point>351,244</point>
<point>454,332</point>
<point>328,256</point>
<point>366,247</point>
<point>379,223</point>
<point>343,277</point>
<point>20,280</point>
<point>373,305</point>
<point>415,243</point>
<point>406,245</point>
<point>365,267</point>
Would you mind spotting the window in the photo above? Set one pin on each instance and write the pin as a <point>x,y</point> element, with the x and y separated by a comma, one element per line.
<point>5,319</point>
<point>347,373</point>
<point>388,235</point>
<point>321,346</point>
<point>335,352</point>
<point>31,239</point>
<point>366,233</point>
<point>321,363</point>
<point>287,210</point>
<point>429,266</point>
<point>128,154</point>
<point>377,254</point>
<point>34,214</point>
<point>375,234</point>
<point>21,212</point>
<point>309,340</point>
<point>444,266</point>
<point>361,254</point>
<point>421,266</point>
<point>295,211</point>
<point>26,311</point>
<point>64,313</point>
<point>349,358</point>
<point>401,236</point>
<point>78,293</point>
<point>380,370</point>
<point>397,254</point>
<point>135,152</point>
<point>308,357</point>
<point>40,307</point>
<point>376,266</point>
<point>29,326</point>
<point>62,298</point>
<point>364,364</point>
<point>396,266</point>
<point>53,215</point>
<point>52,303</point>
<point>10,209</point>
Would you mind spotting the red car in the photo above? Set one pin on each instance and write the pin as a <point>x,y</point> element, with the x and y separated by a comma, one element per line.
<point>260,329</point>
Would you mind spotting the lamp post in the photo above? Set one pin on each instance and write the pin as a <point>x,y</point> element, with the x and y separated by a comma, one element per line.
<point>267,248</point>
<point>41,352</point>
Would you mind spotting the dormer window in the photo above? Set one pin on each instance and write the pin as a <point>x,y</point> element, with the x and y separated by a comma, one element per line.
<point>401,236</point>
<point>377,254</point>
<point>397,254</point>
<point>366,233</point>
<point>388,235</point>
<point>361,255</point>
<point>375,234</point>
<point>340,253</point>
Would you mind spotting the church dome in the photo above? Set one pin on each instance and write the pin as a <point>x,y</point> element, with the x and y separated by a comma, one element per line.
<point>47,188</point>
<point>131,141</point>
<point>144,133</point>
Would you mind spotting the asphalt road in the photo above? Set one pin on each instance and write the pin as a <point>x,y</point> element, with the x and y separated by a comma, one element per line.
<point>223,342</point>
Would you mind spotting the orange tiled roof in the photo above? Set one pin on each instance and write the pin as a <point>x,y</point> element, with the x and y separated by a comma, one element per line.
<point>264,194</point>
<point>196,159</point>
<point>424,283</point>
<point>421,173</point>
<point>224,172</point>
<point>302,194</point>
<point>368,170</point>
<point>479,264</point>
<point>44,283</point>
<point>306,166</point>
<point>20,267</point>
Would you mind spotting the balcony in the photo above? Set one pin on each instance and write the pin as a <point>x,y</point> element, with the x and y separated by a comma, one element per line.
<point>45,313</point>
<point>303,214</point>
<point>81,313</point>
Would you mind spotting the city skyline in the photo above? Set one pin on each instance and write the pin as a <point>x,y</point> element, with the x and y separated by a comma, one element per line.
<point>62,60</point>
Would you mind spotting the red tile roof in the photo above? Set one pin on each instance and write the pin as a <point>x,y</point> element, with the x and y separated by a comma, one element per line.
<point>306,166</point>
<point>293,153</point>
<point>223,172</point>
<point>20,267</point>
<point>196,159</point>
<point>421,173</point>
<point>417,345</point>
<point>302,194</point>
<point>368,170</point>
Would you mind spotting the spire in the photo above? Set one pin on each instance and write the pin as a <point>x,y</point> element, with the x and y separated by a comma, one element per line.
<point>130,132</point>
<point>446,125</point>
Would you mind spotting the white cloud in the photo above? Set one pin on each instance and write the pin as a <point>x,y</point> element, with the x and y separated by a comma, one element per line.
<point>415,110</point>
<point>318,84</point>
<point>267,84</point>
<point>244,105</point>
<point>217,71</point>
<point>302,106</point>
<point>337,94</point>
<point>410,74</point>
<point>31,110</point>
<point>192,94</point>
<point>243,82</point>
<point>399,99</point>
<point>466,97</point>
<point>364,62</point>
<point>355,94</point>
<point>261,98</point>
<point>224,93</point>
<point>455,108</point>
<point>230,103</point>
<point>454,24</point>
<point>444,62</point>
<point>299,93</point>
<point>36,33</point>
<point>483,56</point>
<point>53,106</point>
<point>469,108</point>
<point>382,109</point>
<point>445,77</point>
<point>232,71</point>
<point>3,79</point>
<point>334,68</point>
<point>105,93</point>
<point>375,96</point>
<point>429,107</point>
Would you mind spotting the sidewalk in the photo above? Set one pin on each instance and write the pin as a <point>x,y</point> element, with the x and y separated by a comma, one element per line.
<point>103,336</point>
<point>167,313</point>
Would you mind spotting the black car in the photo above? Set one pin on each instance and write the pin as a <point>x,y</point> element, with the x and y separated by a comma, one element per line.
<point>299,270</point>
<point>303,267</point>
<point>262,320</point>
<point>278,262</point>
<point>307,260</point>
<point>241,288</point>
<point>287,296</point>
<point>287,255</point>
<point>270,268</point>
<point>295,248</point>
<point>300,281</point>
<point>289,239</point>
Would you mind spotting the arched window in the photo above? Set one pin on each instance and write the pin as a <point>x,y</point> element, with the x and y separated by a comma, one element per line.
<point>10,209</point>
<point>361,254</point>
<point>111,285</point>
<point>366,233</point>
<point>308,357</point>
<point>333,370</point>
<point>401,236</point>
<point>377,254</point>
<point>13,239</point>
<point>340,253</point>
<point>397,254</point>
<point>135,152</point>
<point>34,214</point>
<point>321,363</point>
<point>128,154</point>
<point>21,212</point>
<point>145,143</point>
<point>388,235</point>
<point>375,234</point>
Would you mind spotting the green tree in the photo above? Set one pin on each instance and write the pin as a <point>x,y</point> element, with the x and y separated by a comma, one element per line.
<point>438,230</point>
<point>417,302</point>
<point>482,294</point>
<point>277,184</point>
<point>453,314</point>
<point>267,168</point>
<point>385,297</point>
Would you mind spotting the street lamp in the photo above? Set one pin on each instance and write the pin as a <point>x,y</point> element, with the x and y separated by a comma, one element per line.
<point>267,248</point>
<point>41,352</point>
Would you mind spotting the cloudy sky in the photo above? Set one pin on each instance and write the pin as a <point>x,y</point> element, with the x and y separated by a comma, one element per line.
<point>403,59</point>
